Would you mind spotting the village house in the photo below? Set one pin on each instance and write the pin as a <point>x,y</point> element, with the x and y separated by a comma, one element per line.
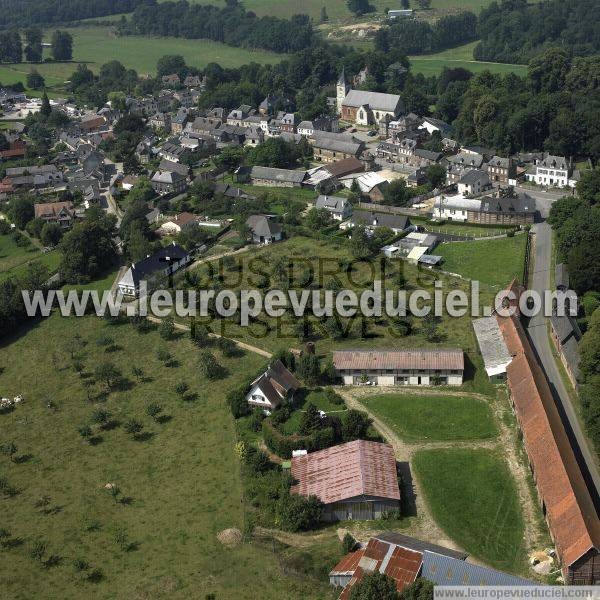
<point>61,213</point>
<point>553,171</point>
<point>324,123</point>
<point>175,152</point>
<point>16,149</point>
<point>422,157</point>
<point>168,182</point>
<point>502,171</point>
<point>473,182</point>
<point>372,221</point>
<point>272,387</point>
<point>370,183</point>
<point>172,79</point>
<point>338,206</point>
<point>162,263</point>
<point>400,367</point>
<point>91,122</point>
<point>264,229</point>
<point>179,121</point>
<point>161,121</point>
<point>193,81</point>
<point>366,108</point>
<point>414,244</point>
<point>404,559</point>
<point>356,480</point>
<point>177,224</point>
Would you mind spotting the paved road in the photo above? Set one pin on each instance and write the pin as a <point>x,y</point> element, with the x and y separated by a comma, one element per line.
<point>538,333</point>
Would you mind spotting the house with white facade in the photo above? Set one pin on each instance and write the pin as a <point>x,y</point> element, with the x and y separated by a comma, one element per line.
<point>553,171</point>
<point>339,207</point>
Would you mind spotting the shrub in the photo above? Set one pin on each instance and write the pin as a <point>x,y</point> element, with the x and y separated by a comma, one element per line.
<point>237,403</point>
<point>348,543</point>
<point>209,367</point>
<point>167,328</point>
<point>296,513</point>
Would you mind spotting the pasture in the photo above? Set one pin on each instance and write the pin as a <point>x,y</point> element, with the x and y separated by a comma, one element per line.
<point>472,496</point>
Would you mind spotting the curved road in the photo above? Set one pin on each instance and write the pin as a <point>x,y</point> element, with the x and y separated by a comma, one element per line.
<point>538,333</point>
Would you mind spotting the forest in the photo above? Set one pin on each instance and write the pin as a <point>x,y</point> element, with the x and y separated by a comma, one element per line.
<point>413,36</point>
<point>514,31</point>
<point>21,13</point>
<point>232,25</point>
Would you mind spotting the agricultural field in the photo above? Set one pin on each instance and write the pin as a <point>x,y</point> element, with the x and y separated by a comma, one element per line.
<point>176,483</point>
<point>493,262</point>
<point>472,496</point>
<point>434,418</point>
<point>98,45</point>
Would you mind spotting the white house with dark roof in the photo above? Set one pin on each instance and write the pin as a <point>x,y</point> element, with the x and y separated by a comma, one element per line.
<point>552,170</point>
<point>474,182</point>
<point>273,386</point>
<point>339,207</point>
<point>264,229</point>
<point>163,262</point>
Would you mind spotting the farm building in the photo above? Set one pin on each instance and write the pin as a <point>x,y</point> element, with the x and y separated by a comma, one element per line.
<point>563,494</point>
<point>400,367</point>
<point>356,480</point>
<point>404,559</point>
<point>496,356</point>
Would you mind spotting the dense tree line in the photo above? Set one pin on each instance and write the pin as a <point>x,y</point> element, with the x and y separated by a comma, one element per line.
<point>232,25</point>
<point>21,13</point>
<point>11,45</point>
<point>412,36</point>
<point>514,31</point>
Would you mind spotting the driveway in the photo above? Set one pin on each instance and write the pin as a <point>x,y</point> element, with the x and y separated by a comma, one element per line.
<point>538,334</point>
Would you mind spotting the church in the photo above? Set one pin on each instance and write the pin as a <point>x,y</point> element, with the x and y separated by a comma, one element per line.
<point>366,108</point>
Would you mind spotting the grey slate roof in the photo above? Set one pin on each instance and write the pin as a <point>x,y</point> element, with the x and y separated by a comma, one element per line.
<point>262,225</point>
<point>412,543</point>
<point>428,154</point>
<point>365,217</point>
<point>166,177</point>
<point>333,145</point>
<point>472,177</point>
<point>152,264</point>
<point>331,203</point>
<point>282,175</point>
<point>522,203</point>
<point>561,276</point>
<point>554,162</point>
<point>375,100</point>
<point>492,345</point>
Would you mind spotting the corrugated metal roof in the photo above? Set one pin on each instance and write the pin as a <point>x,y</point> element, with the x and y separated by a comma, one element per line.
<point>496,356</point>
<point>445,570</point>
<point>358,468</point>
<point>399,359</point>
<point>393,537</point>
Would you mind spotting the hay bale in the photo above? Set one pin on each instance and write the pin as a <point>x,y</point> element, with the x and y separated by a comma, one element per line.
<point>230,537</point>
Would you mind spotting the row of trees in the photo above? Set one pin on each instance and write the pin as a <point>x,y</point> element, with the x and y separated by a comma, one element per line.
<point>22,13</point>
<point>12,50</point>
<point>232,25</point>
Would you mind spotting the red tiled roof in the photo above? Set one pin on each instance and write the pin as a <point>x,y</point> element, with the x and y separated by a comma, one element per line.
<point>399,359</point>
<point>570,510</point>
<point>401,564</point>
<point>346,471</point>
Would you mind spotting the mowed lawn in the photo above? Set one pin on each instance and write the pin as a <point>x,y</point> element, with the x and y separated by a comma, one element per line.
<point>473,497</point>
<point>492,262</point>
<point>14,260</point>
<point>99,45</point>
<point>180,484</point>
<point>434,418</point>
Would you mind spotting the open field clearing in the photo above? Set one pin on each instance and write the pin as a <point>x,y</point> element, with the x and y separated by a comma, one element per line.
<point>178,481</point>
<point>472,496</point>
<point>14,259</point>
<point>434,418</point>
<point>99,45</point>
<point>493,262</point>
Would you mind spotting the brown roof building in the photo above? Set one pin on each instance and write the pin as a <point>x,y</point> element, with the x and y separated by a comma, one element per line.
<point>272,387</point>
<point>356,480</point>
<point>565,499</point>
<point>61,213</point>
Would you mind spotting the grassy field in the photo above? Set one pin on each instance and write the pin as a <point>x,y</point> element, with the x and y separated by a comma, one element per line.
<point>180,483</point>
<point>99,45</point>
<point>473,497</point>
<point>433,418</point>
<point>14,260</point>
<point>316,397</point>
<point>337,9</point>
<point>492,262</point>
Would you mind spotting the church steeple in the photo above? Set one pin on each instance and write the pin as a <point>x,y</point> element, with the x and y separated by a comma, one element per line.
<point>342,89</point>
